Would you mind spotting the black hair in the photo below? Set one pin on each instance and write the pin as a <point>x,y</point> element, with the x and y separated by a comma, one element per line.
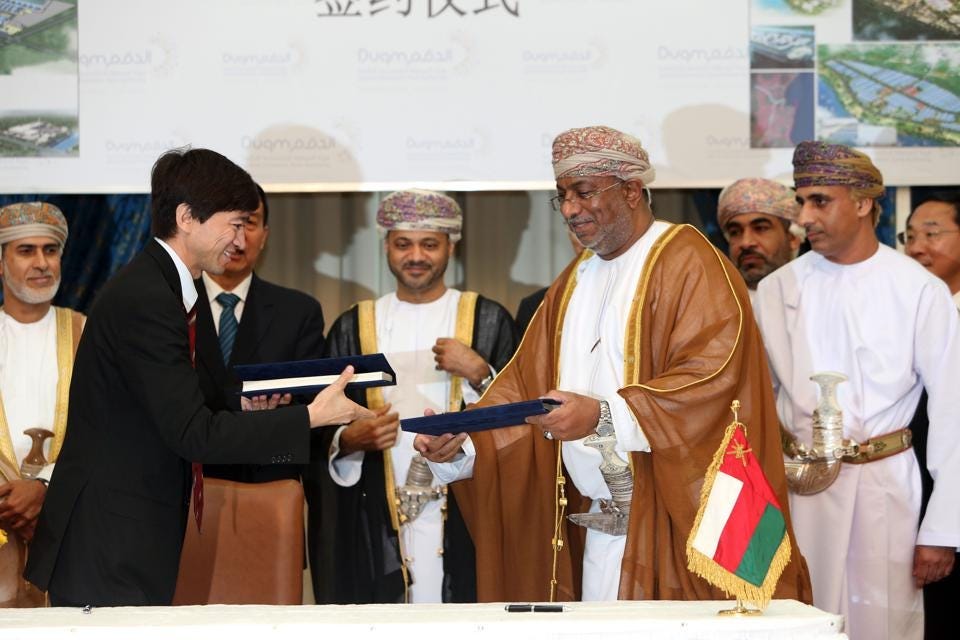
<point>263,200</point>
<point>202,179</point>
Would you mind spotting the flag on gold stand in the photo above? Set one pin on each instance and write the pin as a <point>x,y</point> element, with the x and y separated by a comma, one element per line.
<point>739,540</point>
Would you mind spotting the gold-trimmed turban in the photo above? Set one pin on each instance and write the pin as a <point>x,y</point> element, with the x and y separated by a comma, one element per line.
<point>27,219</point>
<point>420,210</point>
<point>822,164</point>
<point>601,151</point>
<point>757,195</point>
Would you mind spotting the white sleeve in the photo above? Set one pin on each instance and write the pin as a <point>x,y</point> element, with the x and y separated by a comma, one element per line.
<point>345,470</point>
<point>470,394</point>
<point>460,468</point>
<point>46,473</point>
<point>629,434</point>
<point>937,360</point>
<point>758,300</point>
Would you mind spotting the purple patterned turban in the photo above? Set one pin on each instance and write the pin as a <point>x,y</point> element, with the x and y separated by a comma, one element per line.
<point>757,195</point>
<point>27,219</point>
<point>822,164</point>
<point>601,151</point>
<point>420,210</point>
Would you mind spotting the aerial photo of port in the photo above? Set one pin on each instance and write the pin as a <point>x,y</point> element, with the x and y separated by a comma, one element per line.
<point>889,94</point>
<point>38,134</point>
<point>796,7</point>
<point>781,47</point>
<point>38,78</point>
<point>781,109</point>
<point>906,20</point>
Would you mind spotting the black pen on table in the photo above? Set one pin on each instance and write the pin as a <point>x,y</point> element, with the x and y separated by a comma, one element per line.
<point>534,608</point>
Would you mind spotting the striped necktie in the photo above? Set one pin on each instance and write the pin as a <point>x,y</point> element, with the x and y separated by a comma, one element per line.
<point>228,323</point>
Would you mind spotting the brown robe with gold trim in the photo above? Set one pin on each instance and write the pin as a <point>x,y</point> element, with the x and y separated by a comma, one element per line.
<point>692,347</point>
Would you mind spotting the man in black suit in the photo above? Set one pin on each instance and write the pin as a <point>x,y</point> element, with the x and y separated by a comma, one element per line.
<point>112,523</point>
<point>242,319</point>
<point>529,305</point>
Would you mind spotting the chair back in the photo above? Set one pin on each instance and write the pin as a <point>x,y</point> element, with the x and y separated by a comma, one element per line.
<point>251,548</point>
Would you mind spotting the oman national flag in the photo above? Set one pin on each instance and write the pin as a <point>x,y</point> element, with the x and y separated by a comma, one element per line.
<point>739,540</point>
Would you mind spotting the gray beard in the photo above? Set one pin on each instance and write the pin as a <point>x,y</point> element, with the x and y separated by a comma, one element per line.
<point>31,296</point>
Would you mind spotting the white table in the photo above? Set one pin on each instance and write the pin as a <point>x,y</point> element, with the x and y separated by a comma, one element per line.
<point>783,620</point>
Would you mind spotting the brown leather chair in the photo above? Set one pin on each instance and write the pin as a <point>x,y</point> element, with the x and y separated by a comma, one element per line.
<point>251,547</point>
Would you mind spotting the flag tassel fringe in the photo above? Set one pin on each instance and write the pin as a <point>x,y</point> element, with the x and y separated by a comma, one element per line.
<point>709,570</point>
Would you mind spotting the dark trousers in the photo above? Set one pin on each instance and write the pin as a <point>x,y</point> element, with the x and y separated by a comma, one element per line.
<point>940,599</point>
<point>57,601</point>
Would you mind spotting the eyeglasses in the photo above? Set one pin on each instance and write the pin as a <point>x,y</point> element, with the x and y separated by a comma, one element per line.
<point>579,196</point>
<point>909,237</point>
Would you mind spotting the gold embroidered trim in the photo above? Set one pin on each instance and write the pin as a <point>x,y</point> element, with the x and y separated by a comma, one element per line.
<point>631,364</point>
<point>463,332</point>
<point>564,303</point>
<point>65,353</point>
<point>6,442</point>
<point>559,491</point>
<point>710,570</point>
<point>367,325</point>
<point>631,341</point>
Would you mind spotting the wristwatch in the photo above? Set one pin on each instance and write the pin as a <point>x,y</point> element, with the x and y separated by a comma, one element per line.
<point>605,423</point>
<point>483,384</point>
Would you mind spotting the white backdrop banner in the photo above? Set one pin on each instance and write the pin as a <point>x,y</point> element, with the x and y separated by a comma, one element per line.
<point>372,95</point>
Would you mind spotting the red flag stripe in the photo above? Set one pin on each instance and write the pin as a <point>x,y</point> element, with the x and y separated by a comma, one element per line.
<point>751,473</point>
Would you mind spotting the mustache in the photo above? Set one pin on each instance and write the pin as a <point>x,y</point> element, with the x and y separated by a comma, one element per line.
<point>577,219</point>
<point>750,252</point>
<point>417,265</point>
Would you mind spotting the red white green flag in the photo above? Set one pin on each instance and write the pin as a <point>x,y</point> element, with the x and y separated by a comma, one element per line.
<point>739,540</point>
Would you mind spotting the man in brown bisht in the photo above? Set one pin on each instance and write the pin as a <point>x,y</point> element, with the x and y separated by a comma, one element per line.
<point>645,340</point>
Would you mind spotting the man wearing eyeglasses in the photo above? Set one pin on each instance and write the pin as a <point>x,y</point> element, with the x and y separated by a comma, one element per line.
<point>932,238</point>
<point>860,308</point>
<point>757,219</point>
<point>645,340</point>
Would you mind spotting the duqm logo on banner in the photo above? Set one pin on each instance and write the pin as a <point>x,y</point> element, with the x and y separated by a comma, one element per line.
<point>123,151</point>
<point>581,59</point>
<point>298,153</point>
<point>156,58</point>
<point>705,62</point>
<point>453,148</point>
<point>277,63</point>
<point>432,62</point>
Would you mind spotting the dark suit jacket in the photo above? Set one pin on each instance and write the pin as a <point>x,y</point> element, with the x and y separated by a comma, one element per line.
<point>528,307</point>
<point>278,324</point>
<point>113,519</point>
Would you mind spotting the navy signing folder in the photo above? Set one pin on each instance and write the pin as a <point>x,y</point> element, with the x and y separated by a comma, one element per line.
<point>503,415</point>
<point>306,376</point>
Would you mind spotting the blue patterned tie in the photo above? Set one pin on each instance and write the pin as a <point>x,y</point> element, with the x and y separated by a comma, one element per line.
<point>228,323</point>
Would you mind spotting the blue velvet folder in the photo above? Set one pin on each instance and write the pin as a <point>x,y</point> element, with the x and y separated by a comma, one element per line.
<point>309,376</point>
<point>503,415</point>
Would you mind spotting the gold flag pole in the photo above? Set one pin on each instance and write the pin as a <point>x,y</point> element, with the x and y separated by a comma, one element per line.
<point>740,610</point>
